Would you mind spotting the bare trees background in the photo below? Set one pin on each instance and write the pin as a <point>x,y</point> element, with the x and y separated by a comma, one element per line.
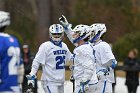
<point>31,19</point>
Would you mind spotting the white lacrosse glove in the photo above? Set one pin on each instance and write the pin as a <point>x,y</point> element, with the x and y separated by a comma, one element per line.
<point>102,73</point>
<point>31,80</point>
<point>64,22</point>
<point>84,86</point>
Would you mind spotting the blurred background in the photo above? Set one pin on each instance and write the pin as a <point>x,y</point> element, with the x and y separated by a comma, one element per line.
<point>30,20</point>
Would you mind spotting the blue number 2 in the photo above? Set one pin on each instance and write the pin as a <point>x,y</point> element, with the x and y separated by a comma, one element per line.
<point>60,61</point>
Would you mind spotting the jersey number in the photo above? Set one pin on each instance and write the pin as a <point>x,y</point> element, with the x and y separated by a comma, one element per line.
<point>60,61</point>
<point>14,53</point>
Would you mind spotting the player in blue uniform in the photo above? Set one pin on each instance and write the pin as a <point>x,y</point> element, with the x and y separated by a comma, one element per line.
<point>9,58</point>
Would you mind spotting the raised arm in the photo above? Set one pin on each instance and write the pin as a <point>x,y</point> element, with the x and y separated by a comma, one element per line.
<point>67,27</point>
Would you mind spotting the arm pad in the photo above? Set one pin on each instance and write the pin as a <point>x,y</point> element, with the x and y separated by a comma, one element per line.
<point>35,67</point>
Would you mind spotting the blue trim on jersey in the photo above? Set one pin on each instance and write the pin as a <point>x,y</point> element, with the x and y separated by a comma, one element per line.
<point>104,87</point>
<point>95,37</point>
<point>83,44</point>
<point>48,89</point>
<point>94,83</point>
<point>113,64</point>
<point>79,38</point>
<point>79,91</point>
<point>57,43</point>
<point>93,53</point>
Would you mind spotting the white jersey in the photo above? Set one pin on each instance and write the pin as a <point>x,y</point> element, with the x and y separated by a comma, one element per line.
<point>53,60</point>
<point>84,63</point>
<point>103,54</point>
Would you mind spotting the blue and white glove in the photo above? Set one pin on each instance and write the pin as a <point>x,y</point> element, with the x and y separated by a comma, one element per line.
<point>84,86</point>
<point>102,73</point>
<point>31,80</point>
<point>64,22</point>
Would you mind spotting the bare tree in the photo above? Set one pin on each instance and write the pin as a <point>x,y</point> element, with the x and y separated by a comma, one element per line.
<point>2,5</point>
<point>59,7</point>
<point>43,20</point>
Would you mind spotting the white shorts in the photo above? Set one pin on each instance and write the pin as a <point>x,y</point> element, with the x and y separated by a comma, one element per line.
<point>104,87</point>
<point>92,88</point>
<point>51,87</point>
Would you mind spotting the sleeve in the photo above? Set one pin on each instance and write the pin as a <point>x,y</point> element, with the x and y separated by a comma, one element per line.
<point>106,54</point>
<point>69,33</point>
<point>39,58</point>
<point>41,54</point>
<point>68,56</point>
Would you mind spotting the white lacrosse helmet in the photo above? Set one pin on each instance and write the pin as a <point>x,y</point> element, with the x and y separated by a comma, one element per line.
<point>4,19</point>
<point>56,33</point>
<point>97,30</point>
<point>83,32</point>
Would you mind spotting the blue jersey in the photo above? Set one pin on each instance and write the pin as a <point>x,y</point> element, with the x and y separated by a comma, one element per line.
<point>9,61</point>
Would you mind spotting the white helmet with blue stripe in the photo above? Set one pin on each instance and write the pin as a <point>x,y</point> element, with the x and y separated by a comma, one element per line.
<point>4,19</point>
<point>82,31</point>
<point>97,30</point>
<point>56,33</point>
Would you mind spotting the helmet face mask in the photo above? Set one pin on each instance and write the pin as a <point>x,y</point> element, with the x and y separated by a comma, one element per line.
<point>80,32</point>
<point>56,33</point>
<point>57,37</point>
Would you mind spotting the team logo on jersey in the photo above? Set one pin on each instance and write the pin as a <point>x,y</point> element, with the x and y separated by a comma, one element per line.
<point>11,39</point>
<point>57,52</point>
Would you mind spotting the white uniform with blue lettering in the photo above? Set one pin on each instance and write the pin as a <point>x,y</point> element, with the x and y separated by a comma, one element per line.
<point>103,54</point>
<point>52,59</point>
<point>84,64</point>
<point>85,67</point>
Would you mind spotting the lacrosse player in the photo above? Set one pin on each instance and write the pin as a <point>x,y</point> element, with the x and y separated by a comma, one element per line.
<point>105,59</point>
<point>52,55</point>
<point>84,71</point>
<point>9,58</point>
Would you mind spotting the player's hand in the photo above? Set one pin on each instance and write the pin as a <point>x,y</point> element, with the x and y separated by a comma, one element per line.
<point>84,86</point>
<point>31,80</point>
<point>102,73</point>
<point>71,67</point>
<point>63,21</point>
